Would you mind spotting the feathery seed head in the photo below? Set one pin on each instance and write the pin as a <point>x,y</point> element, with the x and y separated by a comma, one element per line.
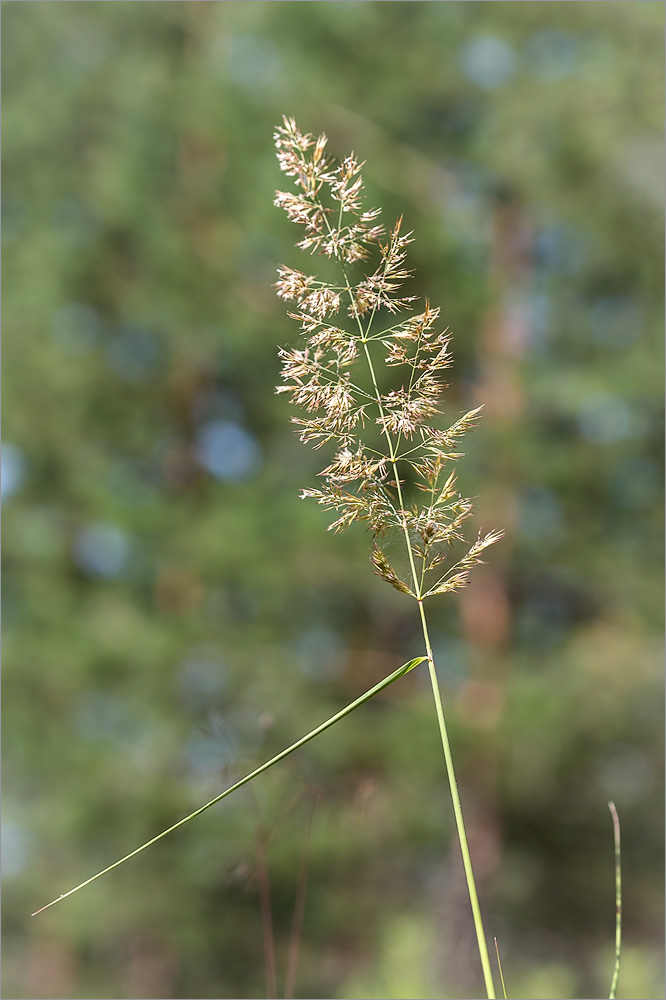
<point>335,378</point>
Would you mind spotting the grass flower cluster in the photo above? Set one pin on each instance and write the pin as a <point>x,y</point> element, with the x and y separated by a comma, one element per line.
<point>385,442</point>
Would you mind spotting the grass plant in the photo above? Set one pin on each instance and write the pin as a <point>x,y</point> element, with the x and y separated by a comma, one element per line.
<point>368,382</point>
<point>392,467</point>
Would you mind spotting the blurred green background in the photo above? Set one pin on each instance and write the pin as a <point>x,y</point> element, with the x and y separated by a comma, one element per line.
<point>174,614</point>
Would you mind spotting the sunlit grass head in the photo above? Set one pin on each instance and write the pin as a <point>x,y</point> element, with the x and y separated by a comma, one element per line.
<point>393,464</point>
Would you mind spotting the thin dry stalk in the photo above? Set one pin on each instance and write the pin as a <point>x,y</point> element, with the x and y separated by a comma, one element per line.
<point>299,910</point>
<point>264,883</point>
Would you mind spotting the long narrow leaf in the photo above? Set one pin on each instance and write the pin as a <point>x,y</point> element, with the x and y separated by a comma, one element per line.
<point>400,672</point>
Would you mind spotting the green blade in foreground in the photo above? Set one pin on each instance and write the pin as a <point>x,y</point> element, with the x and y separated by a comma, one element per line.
<point>618,901</point>
<point>400,672</point>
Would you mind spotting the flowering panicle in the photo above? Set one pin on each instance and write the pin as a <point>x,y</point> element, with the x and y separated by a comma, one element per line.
<point>386,444</point>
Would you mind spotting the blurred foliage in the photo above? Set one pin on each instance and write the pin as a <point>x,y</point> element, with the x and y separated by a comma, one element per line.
<point>174,613</point>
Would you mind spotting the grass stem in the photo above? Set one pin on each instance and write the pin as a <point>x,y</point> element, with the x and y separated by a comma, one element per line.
<point>458,813</point>
<point>299,910</point>
<point>264,884</point>
<point>499,966</point>
<point>618,901</point>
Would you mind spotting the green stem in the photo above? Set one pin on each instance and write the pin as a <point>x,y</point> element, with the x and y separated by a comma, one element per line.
<point>618,901</point>
<point>457,810</point>
<point>400,672</point>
